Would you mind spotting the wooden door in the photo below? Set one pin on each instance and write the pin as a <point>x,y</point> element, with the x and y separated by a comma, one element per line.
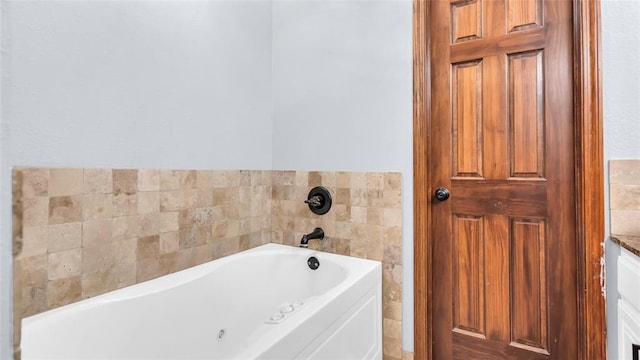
<point>502,142</point>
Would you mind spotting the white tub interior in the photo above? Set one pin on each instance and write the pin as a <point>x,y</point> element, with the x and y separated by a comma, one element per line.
<point>226,309</point>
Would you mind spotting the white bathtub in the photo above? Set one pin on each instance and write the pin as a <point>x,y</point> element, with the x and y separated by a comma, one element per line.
<point>223,310</point>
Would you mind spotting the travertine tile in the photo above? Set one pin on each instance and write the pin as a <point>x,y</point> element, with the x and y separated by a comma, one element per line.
<point>149,224</point>
<point>148,180</point>
<point>186,258</point>
<point>148,269</point>
<point>63,237</point>
<point>34,299</point>
<point>392,181</point>
<point>315,178</point>
<point>343,179</point>
<point>65,209</point>
<point>125,182</point>
<point>33,273</point>
<point>302,178</point>
<point>108,255</point>
<point>245,178</point>
<point>148,247</point>
<point>171,200</point>
<point>204,179</point>
<point>358,180</point>
<point>35,241</point>
<point>392,198</point>
<point>625,222</point>
<point>392,347</point>
<point>188,179</point>
<point>329,179</point>
<point>66,182</point>
<point>392,310</point>
<point>624,197</point>
<point>407,355</point>
<point>246,240</point>
<point>148,202</point>
<point>393,217</point>
<point>225,247</point>
<point>392,329</point>
<point>169,263</point>
<point>124,205</point>
<point>195,198</point>
<point>169,242</point>
<point>177,180</point>
<point>64,264</point>
<point>124,228</point>
<point>375,216</point>
<point>35,183</point>
<point>359,214</point>
<point>169,221</point>
<point>343,196</point>
<point>97,206</point>
<point>226,178</point>
<point>203,253</point>
<point>625,172</point>
<point>96,232</point>
<point>392,254</point>
<point>358,247</point>
<point>35,211</point>
<point>108,278</point>
<point>359,197</point>
<point>375,181</point>
<point>98,181</point>
<point>284,177</point>
<point>374,197</point>
<point>64,291</point>
<point>375,242</point>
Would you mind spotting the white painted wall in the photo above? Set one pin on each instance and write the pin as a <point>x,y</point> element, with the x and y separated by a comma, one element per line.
<point>169,84</point>
<point>621,96</point>
<point>342,80</point>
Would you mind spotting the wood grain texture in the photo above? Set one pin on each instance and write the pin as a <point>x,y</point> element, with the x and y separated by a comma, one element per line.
<point>469,275</point>
<point>524,14</point>
<point>526,114</point>
<point>529,318</point>
<point>421,209</point>
<point>467,119</point>
<point>466,20</point>
<point>588,175</point>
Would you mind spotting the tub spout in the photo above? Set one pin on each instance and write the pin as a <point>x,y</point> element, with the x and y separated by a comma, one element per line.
<point>317,233</point>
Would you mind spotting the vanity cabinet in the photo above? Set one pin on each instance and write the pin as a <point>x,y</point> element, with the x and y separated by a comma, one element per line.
<point>628,306</point>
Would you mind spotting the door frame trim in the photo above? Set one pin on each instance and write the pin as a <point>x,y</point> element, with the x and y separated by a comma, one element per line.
<point>589,182</point>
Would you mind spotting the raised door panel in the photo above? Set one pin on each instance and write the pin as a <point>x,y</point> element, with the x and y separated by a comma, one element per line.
<point>529,318</point>
<point>466,20</point>
<point>524,14</point>
<point>466,121</point>
<point>526,114</point>
<point>468,275</point>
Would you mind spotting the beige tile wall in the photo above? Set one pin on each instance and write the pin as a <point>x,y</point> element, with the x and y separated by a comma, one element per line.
<point>624,197</point>
<point>365,221</point>
<point>90,231</point>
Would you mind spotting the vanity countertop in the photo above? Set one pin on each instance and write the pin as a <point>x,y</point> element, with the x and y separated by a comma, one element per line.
<point>631,243</point>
